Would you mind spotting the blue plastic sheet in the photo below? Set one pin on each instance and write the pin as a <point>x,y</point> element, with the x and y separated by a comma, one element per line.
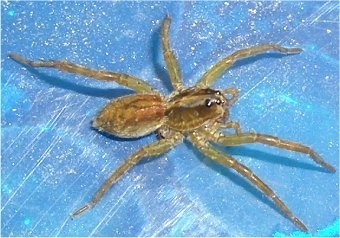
<point>52,162</point>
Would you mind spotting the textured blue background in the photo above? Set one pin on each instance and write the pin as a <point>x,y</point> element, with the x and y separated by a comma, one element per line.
<point>53,162</point>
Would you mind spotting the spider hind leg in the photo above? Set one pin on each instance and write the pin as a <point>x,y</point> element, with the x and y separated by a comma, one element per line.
<point>227,161</point>
<point>246,138</point>
<point>128,81</point>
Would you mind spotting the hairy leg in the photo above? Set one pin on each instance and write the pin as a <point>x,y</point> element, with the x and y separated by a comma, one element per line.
<point>230,162</point>
<point>217,70</point>
<point>153,149</point>
<point>246,138</point>
<point>169,57</point>
<point>123,79</point>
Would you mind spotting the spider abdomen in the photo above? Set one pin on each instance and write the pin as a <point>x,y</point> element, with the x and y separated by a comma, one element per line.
<point>131,116</point>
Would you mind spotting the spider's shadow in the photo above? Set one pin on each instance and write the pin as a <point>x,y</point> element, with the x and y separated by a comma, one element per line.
<point>255,154</point>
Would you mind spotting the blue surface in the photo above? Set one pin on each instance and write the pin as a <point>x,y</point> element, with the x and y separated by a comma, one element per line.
<point>53,162</point>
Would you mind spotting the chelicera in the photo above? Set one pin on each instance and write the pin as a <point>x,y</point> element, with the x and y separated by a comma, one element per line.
<point>197,114</point>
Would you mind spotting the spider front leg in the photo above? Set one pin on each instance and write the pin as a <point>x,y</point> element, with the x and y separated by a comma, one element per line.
<point>154,149</point>
<point>169,57</point>
<point>217,70</point>
<point>233,92</point>
<point>225,160</point>
<point>136,84</point>
<point>233,125</point>
<point>246,138</point>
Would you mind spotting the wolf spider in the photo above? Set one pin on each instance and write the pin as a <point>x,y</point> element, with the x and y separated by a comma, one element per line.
<point>197,114</point>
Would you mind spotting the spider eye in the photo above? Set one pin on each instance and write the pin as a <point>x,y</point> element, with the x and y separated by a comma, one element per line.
<point>208,102</point>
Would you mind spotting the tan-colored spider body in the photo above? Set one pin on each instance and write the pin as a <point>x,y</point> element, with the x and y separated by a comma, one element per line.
<point>134,116</point>
<point>197,114</point>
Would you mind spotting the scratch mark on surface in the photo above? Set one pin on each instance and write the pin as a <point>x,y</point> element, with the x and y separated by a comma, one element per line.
<point>24,202</point>
<point>170,222</point>
<point>39,162</point>
<point>62,195</point>
<point>16,139</point>
<point>29,146</point>
<point>256,85</point>
<point>42,158</point>
<point>325,9</point>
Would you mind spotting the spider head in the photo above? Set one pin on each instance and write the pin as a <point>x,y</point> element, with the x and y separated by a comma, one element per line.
<point>221,102</point>
<point>195,107</point>
<point>215,98</point>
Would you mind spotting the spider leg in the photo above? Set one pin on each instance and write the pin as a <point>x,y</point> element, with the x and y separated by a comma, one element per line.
<point>217,70</point>
<point>229,162</point>
<point>234,95</point>
<point>123,79</point>
<point>169,57</point>
<point>154,149</point>
<point>233,125</point>
<point>245,138</point>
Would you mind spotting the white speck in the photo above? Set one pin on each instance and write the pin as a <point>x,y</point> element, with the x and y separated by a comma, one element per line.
<point>328,31</point>
<point>289,17</point>
<point>252,11</point>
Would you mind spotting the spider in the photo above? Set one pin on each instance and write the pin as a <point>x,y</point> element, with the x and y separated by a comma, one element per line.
<point>198,114</point>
